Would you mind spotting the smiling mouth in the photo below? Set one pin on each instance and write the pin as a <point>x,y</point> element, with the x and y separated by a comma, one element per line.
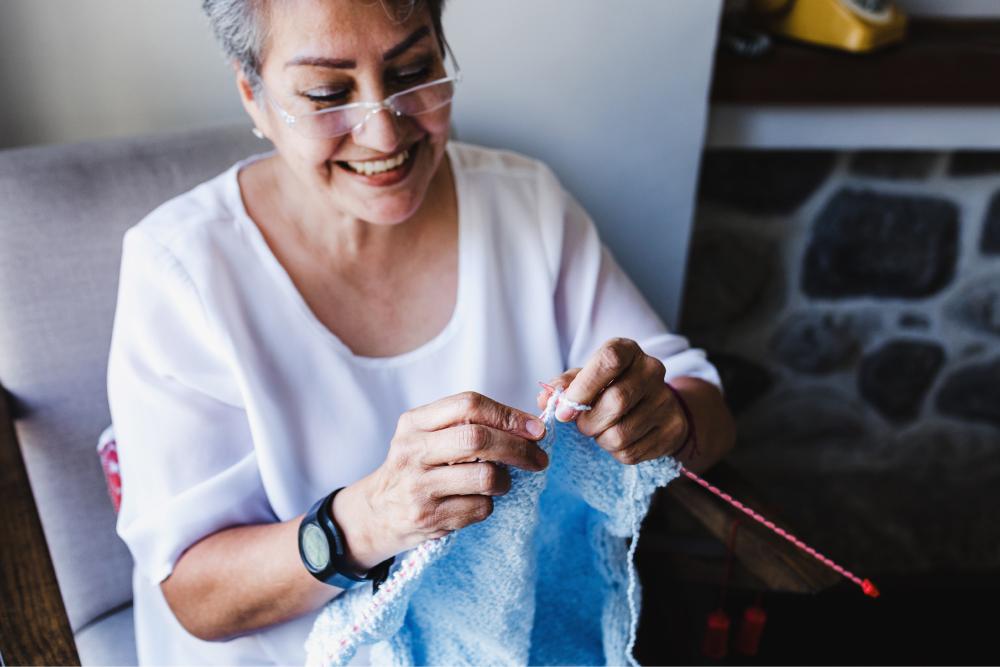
<point>376,167</point>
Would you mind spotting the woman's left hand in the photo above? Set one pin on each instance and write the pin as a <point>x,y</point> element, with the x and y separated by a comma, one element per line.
<point>634,416</point>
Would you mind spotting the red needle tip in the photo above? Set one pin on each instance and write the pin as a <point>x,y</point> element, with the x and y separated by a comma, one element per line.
<point>869,588</point>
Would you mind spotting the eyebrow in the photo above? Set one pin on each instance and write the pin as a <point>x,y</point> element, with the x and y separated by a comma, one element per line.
<point>345,63</point>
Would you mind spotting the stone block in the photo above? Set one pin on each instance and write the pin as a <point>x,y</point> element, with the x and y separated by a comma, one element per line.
<point>763,182</point>
<point>989,243</point>
<point>803,420</point>
<point>872,244</point>
<point>972,393</point>
<point>974,163</point>
<point>977,305</point>
<point>817,343</point>
<point>726,277</point>
<point>893,164</point>
<point>895,378</point>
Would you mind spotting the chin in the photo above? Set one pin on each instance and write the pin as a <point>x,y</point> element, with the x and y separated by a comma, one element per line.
<point>388,213</point>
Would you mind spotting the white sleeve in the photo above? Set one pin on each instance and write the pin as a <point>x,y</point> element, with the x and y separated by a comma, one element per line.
<point>595,301</point>
<point>185,451</point>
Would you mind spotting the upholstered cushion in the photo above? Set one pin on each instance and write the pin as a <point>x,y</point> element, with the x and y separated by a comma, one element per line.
<point>108,640</point>
<point>63,210</point>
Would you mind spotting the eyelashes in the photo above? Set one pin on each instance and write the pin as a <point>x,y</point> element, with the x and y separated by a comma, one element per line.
<point>396,81</point>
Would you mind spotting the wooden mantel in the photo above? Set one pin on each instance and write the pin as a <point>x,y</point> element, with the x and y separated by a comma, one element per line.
<point>954,63</point>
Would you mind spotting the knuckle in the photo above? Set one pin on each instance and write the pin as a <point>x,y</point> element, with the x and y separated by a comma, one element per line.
<point>405,423</point>
<point>614,439</point>
<point>510,421</point>
<point>425,516</point>
<point>493,479</point>
<point>627,456</point>
<point>470,401</point>
<point>482,509</point>
<point>473,438</point>
<point>619,398</point>
<point>657,368</point>
<point>611,357</point>
<point>487,477</point>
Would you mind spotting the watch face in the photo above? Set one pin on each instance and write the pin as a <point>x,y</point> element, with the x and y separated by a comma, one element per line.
<point>315,547</point>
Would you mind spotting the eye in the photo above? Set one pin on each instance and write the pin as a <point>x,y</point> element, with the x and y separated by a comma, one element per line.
<point>327,96</point>
<point>412,75</point>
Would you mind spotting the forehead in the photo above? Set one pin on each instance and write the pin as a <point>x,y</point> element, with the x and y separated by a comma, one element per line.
<point>339,28</point>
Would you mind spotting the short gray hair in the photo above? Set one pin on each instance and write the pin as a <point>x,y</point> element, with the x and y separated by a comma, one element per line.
<point>238,26</point>
<point>241,29</point>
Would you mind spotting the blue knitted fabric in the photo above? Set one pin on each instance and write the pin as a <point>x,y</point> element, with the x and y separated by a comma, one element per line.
<point>547,579</point>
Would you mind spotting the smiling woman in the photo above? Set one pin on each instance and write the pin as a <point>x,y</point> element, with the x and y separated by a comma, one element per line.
<point>320,357</point>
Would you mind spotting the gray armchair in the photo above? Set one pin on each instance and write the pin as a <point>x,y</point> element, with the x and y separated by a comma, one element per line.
<point>65,577</point>
<point>63,210</point>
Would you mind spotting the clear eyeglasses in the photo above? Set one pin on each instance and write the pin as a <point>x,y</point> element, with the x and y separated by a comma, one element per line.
<point>344,119</point>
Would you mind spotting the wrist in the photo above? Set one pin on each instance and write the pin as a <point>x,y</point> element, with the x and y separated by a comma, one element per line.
<point>351,512</point>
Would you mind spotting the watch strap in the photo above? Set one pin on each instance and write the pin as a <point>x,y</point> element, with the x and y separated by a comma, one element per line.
<point>338,573</point>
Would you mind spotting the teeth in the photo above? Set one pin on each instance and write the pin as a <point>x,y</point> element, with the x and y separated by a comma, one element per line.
<point>370,167</point>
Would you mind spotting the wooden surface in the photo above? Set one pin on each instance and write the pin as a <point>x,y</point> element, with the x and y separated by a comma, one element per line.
<point>770,562</point>
<point>941,63</point>
<point>34,629</point>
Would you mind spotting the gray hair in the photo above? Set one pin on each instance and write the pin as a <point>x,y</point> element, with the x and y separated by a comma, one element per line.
<point>241,29</point>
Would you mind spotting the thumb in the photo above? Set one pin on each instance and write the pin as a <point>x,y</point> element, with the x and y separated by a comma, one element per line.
<point>559,382</point>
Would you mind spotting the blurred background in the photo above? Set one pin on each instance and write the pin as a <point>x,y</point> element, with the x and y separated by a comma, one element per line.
<point>826,224</point>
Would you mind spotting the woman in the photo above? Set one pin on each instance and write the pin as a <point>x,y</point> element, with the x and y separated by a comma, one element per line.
<point>360,311</point>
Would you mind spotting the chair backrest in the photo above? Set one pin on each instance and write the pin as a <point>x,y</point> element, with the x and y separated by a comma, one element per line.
<point>63,211</point>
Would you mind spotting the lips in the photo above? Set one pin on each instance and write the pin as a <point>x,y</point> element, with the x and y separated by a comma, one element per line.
<point>384,171</point>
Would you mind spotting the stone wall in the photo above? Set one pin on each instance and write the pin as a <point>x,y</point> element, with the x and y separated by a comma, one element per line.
<point>852,304</point>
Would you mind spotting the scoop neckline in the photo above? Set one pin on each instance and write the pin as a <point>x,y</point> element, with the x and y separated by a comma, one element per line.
<point>285,282</point>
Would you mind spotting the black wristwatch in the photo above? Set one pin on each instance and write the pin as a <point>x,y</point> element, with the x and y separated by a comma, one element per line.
<point>322,548</point>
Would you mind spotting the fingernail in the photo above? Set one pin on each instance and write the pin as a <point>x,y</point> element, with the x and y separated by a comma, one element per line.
<point>564,413</point>
<point>535,427</point>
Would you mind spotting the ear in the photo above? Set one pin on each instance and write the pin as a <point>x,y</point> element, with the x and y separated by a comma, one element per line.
<point>251,103</point>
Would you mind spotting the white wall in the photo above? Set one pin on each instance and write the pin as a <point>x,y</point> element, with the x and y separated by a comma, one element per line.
<point>611,94</point>
<point>81,69</point>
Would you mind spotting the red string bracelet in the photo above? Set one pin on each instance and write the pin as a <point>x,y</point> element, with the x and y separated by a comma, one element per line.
<point>692,434</point>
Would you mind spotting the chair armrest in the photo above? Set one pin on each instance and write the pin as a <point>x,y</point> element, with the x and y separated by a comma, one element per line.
<point>770,558</point>
<point>34,629</point>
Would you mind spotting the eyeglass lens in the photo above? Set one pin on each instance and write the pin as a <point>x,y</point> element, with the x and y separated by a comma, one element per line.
<point>414,102</point>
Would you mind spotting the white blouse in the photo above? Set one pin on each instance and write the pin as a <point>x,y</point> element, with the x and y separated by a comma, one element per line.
<point>233,404</point>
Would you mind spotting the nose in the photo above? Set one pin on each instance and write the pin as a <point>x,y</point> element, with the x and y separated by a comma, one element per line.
<point>379,131</point>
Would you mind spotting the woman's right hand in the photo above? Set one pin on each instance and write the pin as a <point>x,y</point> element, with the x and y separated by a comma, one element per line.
<point>443,469</point>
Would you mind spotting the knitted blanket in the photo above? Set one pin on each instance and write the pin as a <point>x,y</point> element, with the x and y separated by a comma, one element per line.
<point>547,579</point>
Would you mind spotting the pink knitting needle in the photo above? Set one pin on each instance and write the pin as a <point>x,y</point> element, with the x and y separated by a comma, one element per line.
<point>866,585</point>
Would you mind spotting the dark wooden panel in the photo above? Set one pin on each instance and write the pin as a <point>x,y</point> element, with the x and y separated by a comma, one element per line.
<point>770,559</point>
<point>941,63</point>
<point>34,629</point>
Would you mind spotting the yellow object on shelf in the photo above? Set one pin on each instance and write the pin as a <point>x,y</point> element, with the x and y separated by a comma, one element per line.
<point>850,25</point>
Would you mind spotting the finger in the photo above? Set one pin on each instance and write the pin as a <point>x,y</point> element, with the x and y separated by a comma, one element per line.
<point>617,401</point>
<point>473,408</point>
<point>650,446</point>
<point>457,512</point>
<point>466,443</point>
<point>610,361</point>
<point>559,382</point>
<point>636,424</point>
<point>466,479</point>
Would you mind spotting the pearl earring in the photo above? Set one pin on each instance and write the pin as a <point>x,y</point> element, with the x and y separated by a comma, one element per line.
<point>257,133</point>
